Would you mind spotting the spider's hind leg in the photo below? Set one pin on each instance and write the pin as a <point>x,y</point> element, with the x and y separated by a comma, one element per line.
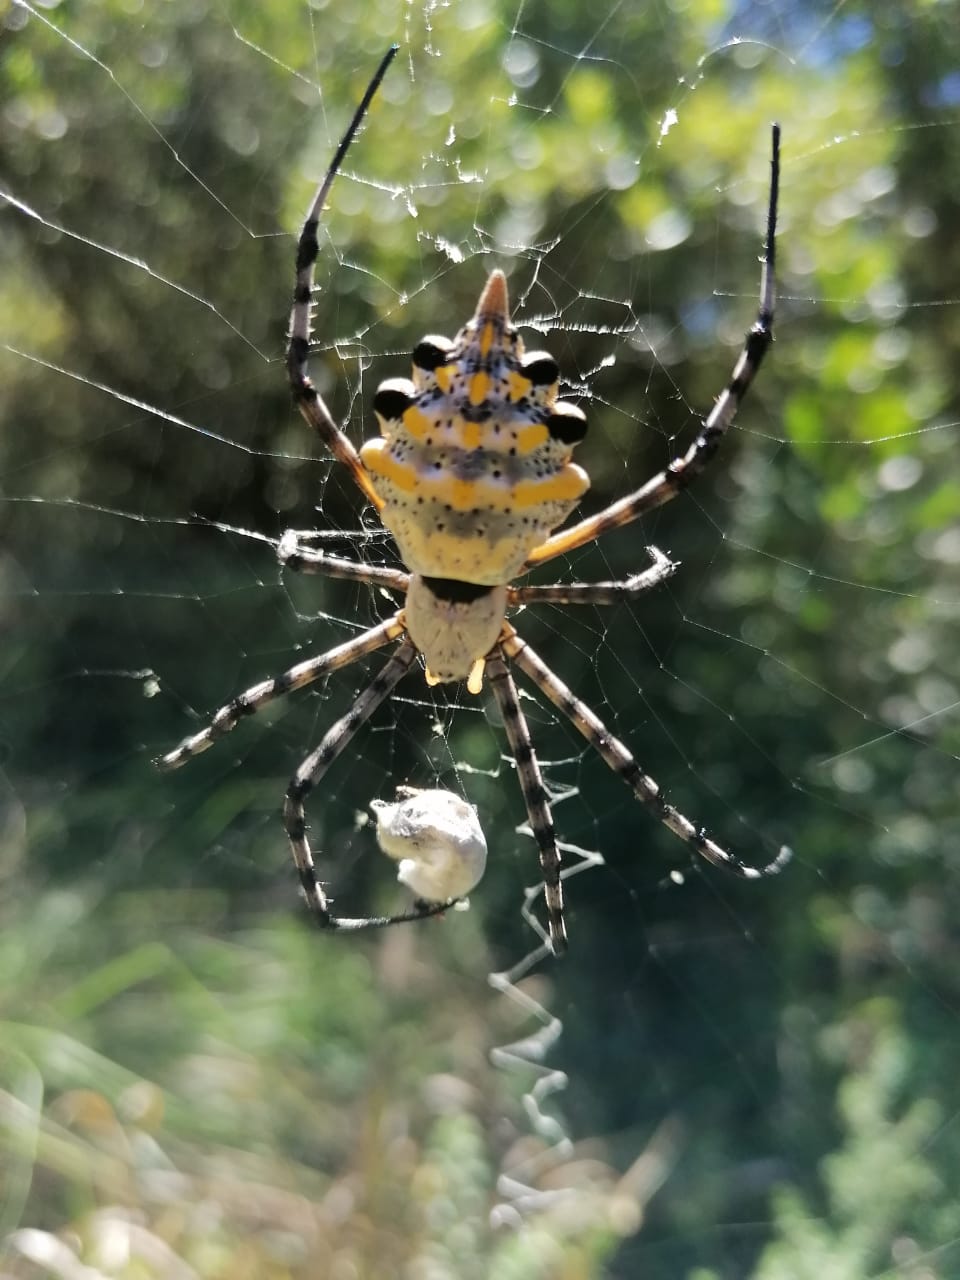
<point>298,677</point>
<point>534,794</point>
<point>312,770</point>
<point>625,766</point>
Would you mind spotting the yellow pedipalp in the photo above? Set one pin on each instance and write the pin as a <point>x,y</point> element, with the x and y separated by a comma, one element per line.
<point>475,678</point>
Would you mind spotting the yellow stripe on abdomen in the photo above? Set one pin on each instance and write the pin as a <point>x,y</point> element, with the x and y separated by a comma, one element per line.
<point>448,484</point>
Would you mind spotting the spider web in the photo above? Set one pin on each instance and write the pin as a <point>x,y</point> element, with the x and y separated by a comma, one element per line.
<point>797,681</point>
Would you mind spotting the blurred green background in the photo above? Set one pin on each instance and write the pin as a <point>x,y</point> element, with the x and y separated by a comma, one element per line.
<point>760,1079</point>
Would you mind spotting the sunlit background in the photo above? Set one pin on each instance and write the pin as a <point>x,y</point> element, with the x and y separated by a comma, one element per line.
<point>722,1079</point>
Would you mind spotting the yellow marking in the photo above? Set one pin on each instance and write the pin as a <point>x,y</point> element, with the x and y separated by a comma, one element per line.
<point>416,422</point>
<point>560,543</point>
<point>430,678</point>
<point>570,482</point>
<point>471,434</point>
<point>444,376</point>
<point>479,387</point>
<point>463,494</point>
<point>475,678</point>
<point>363,480</point>
<point>531,438</point>
<point>375,457</point>
<point>446,555</point>
<point>519,386</point>
<point>486,338</point>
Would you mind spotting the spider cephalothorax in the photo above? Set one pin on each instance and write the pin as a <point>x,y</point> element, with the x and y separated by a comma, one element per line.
<point>472,474</point>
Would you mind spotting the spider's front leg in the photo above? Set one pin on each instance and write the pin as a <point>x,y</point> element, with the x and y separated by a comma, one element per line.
<point>679,473</point>
<point>534,794</point>
<point>307,398</point>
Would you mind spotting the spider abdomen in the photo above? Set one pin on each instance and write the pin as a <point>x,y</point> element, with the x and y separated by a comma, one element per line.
<point>474,460</point>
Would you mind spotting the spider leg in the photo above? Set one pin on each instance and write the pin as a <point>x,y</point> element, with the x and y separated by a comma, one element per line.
<point>298,677</point>
<point>622,762</point>
<point>681,471</point>
<point>312,770</point>
<point>292,554</point>
<point>307,398</point>
<point>534,794</point>
<point>599,592</point>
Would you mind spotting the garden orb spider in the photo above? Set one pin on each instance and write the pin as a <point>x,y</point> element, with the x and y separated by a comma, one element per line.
<point>472,473</point>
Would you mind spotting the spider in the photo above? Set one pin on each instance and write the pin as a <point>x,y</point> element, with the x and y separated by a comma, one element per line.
<point>472,475</point>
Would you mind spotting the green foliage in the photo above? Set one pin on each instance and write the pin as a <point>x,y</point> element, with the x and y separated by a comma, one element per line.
<point>885,1201</point>
<point>195,1103</point>
<point>189,1076</point>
